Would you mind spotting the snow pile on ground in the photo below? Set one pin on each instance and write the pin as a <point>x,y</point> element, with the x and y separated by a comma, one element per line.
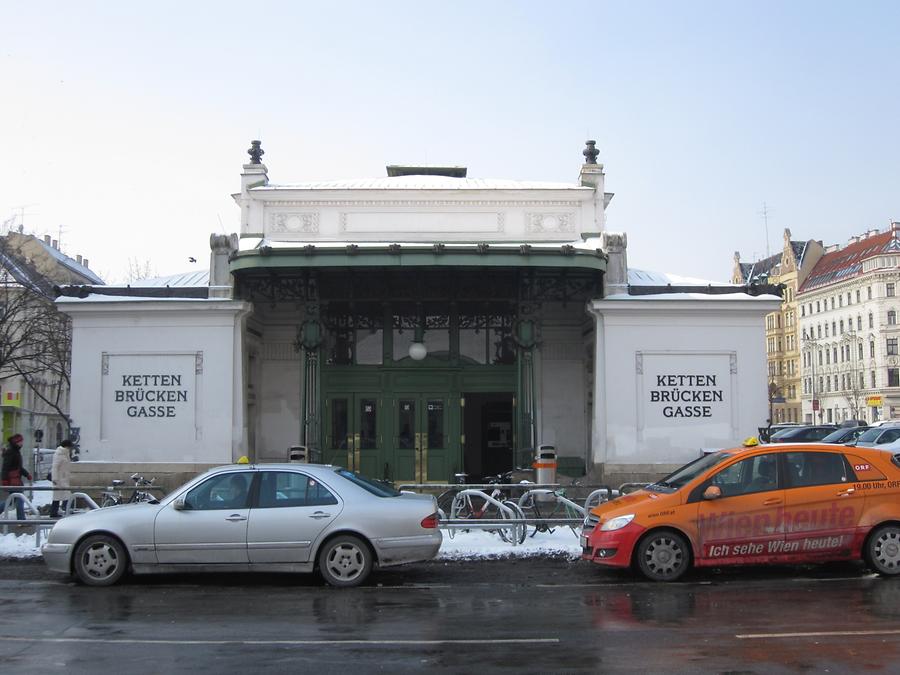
<point>18,546</point>
<point>13,544</point>
<point>479,544</point>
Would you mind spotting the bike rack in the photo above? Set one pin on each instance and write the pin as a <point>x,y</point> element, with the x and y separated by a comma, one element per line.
<point>513,522</point>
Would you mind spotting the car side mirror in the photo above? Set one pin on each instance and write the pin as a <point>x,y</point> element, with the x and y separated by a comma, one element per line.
<point>179,504</point>
<point>712,492</point>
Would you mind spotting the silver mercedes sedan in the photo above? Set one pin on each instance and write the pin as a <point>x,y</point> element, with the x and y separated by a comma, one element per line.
<point>264,517</point>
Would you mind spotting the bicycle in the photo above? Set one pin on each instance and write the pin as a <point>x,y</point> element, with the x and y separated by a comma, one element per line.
<point>113,496</point>
<point>494,505</point>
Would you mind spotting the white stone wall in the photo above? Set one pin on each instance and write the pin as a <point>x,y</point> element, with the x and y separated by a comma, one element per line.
<point>158,381</point>
<point>706,353</point>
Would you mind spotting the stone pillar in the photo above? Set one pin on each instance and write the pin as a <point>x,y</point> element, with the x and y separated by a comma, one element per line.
<point>221,246</point>
<point>615,279</point>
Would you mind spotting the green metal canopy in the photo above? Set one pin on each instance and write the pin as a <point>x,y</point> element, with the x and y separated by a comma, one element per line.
<point>438,255</point>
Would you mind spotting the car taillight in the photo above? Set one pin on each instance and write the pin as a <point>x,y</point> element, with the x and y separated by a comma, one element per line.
<point>430,522</point>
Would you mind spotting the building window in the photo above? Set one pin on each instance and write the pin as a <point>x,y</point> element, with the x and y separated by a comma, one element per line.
<point>872,348</point>
<point>842,326</point>
<point>892,347</point>
<point>848,297</point>
<point>840,301</point>
<point>869,292</point>
<point>872,378</point>
<point>858,323</point>
<point>818,308</point>
<point>832,302</point>
<point>871,320</point>
<point>889,290</point>
<point>857,295</point>
<point>860,351</point>
<point>892,317</point>
<point>893,377</point>
<point>862,381</point>
<point>834,327</point>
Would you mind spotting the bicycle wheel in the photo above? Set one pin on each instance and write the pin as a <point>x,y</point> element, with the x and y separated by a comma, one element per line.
<point>517,531</point>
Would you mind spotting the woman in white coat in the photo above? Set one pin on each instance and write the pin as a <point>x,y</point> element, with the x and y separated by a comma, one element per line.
<point>61,472</point>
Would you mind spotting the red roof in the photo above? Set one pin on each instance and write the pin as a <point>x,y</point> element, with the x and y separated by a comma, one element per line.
<point>846,263</point>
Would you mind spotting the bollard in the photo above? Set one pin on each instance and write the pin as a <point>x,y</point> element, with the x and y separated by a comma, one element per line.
<point>545,470</point>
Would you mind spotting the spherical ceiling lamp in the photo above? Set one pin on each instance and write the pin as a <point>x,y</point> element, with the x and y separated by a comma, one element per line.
<point>418,351</point>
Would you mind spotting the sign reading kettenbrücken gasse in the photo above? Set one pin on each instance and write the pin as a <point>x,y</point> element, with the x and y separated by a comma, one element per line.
<point>693,390</point>
<point>151,394</point>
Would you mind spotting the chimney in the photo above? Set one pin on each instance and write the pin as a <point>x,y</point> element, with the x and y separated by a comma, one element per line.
<point>78,258</point>
<point>55,244</point>
<point>85,262</point>
<point>47,239</point>
<point>592,176</point>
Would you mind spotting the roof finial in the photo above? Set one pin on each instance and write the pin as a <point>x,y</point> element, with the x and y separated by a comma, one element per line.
<point>590,152</point>
<point>256,152</point>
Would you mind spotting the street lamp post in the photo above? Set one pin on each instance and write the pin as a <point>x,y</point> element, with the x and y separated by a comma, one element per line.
<point>811,348</point>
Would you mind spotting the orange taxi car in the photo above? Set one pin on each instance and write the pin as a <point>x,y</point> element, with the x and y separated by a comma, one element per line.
<point>788,504</point>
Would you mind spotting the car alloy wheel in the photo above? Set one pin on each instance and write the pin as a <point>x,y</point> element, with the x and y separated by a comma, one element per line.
<point>100,560</point>
<point>663,556</point>
<point>884,550</point>
<point>345,561</point>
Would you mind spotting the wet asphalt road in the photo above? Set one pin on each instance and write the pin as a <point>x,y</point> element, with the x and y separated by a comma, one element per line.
<point>491,616</point>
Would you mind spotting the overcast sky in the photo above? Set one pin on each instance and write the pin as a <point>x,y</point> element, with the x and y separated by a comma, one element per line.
<point>126,124</point>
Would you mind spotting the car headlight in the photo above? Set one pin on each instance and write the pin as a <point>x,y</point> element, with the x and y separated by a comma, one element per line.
<point>617,523</point>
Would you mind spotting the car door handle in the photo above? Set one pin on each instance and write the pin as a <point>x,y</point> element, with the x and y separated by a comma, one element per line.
<point>771,502</point>
<point>235,517</point>
<point>846,493</point>
<point>320,514</point>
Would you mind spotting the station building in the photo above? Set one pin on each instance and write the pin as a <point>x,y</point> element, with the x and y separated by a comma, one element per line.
<point>416,327</point>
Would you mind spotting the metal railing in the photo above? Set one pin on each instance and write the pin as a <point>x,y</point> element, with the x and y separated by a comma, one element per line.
<point>509,509</point>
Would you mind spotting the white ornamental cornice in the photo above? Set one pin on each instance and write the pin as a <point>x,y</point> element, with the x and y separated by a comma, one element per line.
<point>420,203</point>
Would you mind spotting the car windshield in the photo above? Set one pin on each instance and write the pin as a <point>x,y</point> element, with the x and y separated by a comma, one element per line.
<point>791,432</point>
<point>689,472</point>
<point>843,435</point>
<point>377,488</point>
<point>870,435</point>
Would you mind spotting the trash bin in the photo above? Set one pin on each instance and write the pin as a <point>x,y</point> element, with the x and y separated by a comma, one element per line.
<point>298,454</point>
<point>545,468</point>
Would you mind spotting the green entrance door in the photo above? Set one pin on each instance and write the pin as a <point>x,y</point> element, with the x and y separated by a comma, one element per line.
<point>354,433</point>
<point>424,447</point>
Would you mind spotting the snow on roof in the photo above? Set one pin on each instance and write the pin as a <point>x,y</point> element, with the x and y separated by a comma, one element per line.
<point>72,264</point>
<point>709,297</point>
<point>423,183</point>
<point>183,280</point>
<point>252,243</point>
<point>638,277</point>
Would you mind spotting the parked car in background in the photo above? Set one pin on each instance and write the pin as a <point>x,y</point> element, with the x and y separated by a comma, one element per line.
<point>245,518</point>
<point>765,433</point>
<point>845,435</point>
<point>887,433</point>
<point>805,434</point>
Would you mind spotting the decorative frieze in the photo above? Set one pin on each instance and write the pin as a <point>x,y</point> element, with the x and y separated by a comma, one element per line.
<point>306,222</point>
<point>548,223</point>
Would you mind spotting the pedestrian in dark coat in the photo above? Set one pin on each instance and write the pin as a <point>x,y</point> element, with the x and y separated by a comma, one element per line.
<point>12,472</point>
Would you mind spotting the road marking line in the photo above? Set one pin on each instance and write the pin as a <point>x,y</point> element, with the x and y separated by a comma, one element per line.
<point>835,633</point>
<point>401,643</point>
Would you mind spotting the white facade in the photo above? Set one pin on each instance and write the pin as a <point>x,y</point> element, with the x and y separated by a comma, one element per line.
<point>679,374</point>
<point>158,381</point>
<point>849,339</point>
